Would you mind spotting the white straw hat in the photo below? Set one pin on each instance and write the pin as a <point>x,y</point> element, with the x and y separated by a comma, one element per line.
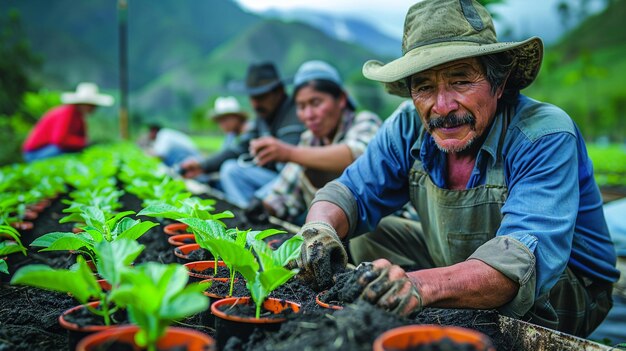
<point>227,105</point>
<point>87,93</point>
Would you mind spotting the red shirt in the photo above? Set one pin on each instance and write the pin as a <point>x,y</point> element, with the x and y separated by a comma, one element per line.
<point>63,126</point>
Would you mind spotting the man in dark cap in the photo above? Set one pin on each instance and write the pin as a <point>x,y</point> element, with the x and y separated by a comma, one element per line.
<point>510,214</point>
<point>240,177</point>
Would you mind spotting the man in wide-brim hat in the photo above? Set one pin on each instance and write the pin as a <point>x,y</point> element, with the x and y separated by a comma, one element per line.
<point>510,215</point>
<point>240,178</point>
<point>63,129</point>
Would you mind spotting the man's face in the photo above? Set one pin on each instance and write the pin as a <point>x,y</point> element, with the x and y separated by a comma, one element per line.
<point>265,104</point>
<point>455,102</point>
<point>230,123</point>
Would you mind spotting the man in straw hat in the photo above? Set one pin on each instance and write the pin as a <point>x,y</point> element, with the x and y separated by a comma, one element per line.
<point>63,129</point>
<point>240,177</point>
<point>510,215</point>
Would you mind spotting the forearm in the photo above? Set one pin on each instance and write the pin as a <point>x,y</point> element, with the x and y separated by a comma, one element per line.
<point>469,284</point>
<point>333,158</point>
<point>331,214</point>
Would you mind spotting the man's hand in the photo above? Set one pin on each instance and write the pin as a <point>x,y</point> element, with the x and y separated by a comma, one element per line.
<point>190,168</point>
<point>322,255</point>
<point>388,287</point>
<point>256,212</point>
<point>269,149</point>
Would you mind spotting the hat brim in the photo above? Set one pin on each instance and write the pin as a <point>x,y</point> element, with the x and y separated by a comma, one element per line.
<point>98,100</point>
<point>220,115</point>
<point>240,87</point>
<point>529,54</point>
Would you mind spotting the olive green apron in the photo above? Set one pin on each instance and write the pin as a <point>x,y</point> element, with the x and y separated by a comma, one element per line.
<point>459,221</point>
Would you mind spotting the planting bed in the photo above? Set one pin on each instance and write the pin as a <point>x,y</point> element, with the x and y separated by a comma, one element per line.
<point>29,316</point>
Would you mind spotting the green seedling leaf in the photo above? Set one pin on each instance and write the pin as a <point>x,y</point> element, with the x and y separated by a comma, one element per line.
<point>3,266</point>
<point>132,229</point>
<point>80,282</point>
<point>266,282</point>
<point>267,233</point>
<point>288,251</point>
<point>162,210</point>
<point>8,247</point>
<point>114,257</point>
<point>74,217</point>
<point>112,222</point>
<point>94,217</point>
<point>58,241</point>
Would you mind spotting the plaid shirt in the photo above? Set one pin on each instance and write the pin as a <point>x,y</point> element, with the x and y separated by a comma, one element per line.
<point>288,198</point>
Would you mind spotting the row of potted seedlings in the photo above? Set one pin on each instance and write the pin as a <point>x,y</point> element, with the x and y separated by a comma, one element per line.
<point>136,304</point>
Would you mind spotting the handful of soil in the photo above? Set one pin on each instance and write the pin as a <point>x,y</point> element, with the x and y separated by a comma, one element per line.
<point>347,288</point>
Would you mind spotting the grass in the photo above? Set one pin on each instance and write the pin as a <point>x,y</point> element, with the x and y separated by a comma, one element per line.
<point>609,164</point>
<point>208,144</point>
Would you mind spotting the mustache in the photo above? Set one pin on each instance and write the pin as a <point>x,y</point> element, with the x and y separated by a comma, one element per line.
<point>451,120</point>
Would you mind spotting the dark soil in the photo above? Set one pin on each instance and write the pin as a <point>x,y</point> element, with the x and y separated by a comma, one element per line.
<point>29,316</point>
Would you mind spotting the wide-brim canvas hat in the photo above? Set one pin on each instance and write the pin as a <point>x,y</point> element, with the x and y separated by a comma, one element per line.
<point>320,70</point>
<point>441,31</point>
<point>87,93</point>
<point>227,106</point>
<point>260,78</point>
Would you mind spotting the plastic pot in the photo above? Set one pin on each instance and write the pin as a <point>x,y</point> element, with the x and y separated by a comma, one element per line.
<point>181,239</point>
<point>318,300</point>
<point>411,337</point>
<point>227,325</point>
<point>76,332</point>
<point>197,269</point>
<point>178,338</point>
<point>176,228</point>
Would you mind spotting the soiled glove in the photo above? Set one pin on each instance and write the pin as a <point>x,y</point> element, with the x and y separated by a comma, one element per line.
<point>322,255</point>
<point>389,288</point>
<point>256,212</point>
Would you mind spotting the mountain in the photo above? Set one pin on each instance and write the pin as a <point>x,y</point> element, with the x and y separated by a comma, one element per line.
<point>348,29</point>
<point>286,44</point>
<point>78,40</point>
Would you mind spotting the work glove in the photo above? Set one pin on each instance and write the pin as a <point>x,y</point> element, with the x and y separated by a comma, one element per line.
<point>256,212</point>
<point>389,288</point>
<point>322,255</point>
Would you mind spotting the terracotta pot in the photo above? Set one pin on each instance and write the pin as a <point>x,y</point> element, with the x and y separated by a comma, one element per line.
<point>182,253</point>
<point>411,336</point>
<point>318,300</point>
<point>40,205</point>
<point>177,338</point>
<point>181,239</point>
<point>176,228</point>
<point>22,226</point>
<point>77,332</point>
<point>227,325</point>
<point>30,215</point>
<point>196,269</point>
<point>206,317</point>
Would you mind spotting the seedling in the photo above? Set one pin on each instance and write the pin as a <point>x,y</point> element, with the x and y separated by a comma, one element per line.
<point>99,227</point>
<point>192,207</point>
<point>11,243</point>
<point>113,259</point>
<point>155,295</point>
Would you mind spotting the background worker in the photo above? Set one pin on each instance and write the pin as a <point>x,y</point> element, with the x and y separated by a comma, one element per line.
<point>169,145</point>
<point>240,178</point>
<point>63,129</point>
<point>231,119</point>
<point>510,214</point>
<point>336,135</point>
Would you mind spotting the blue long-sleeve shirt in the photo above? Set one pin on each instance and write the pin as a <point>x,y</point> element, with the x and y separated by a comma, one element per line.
<point>553,207</point>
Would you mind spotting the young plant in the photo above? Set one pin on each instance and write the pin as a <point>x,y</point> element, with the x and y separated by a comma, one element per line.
<point>272,272</point>
<point>192,207</point>
<point>155,295</point>
<point>10,243</point>
<point>113,259</point>
<point>99,227</point>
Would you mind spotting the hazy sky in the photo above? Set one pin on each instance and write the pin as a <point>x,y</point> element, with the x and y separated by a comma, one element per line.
<point>526,17</point>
